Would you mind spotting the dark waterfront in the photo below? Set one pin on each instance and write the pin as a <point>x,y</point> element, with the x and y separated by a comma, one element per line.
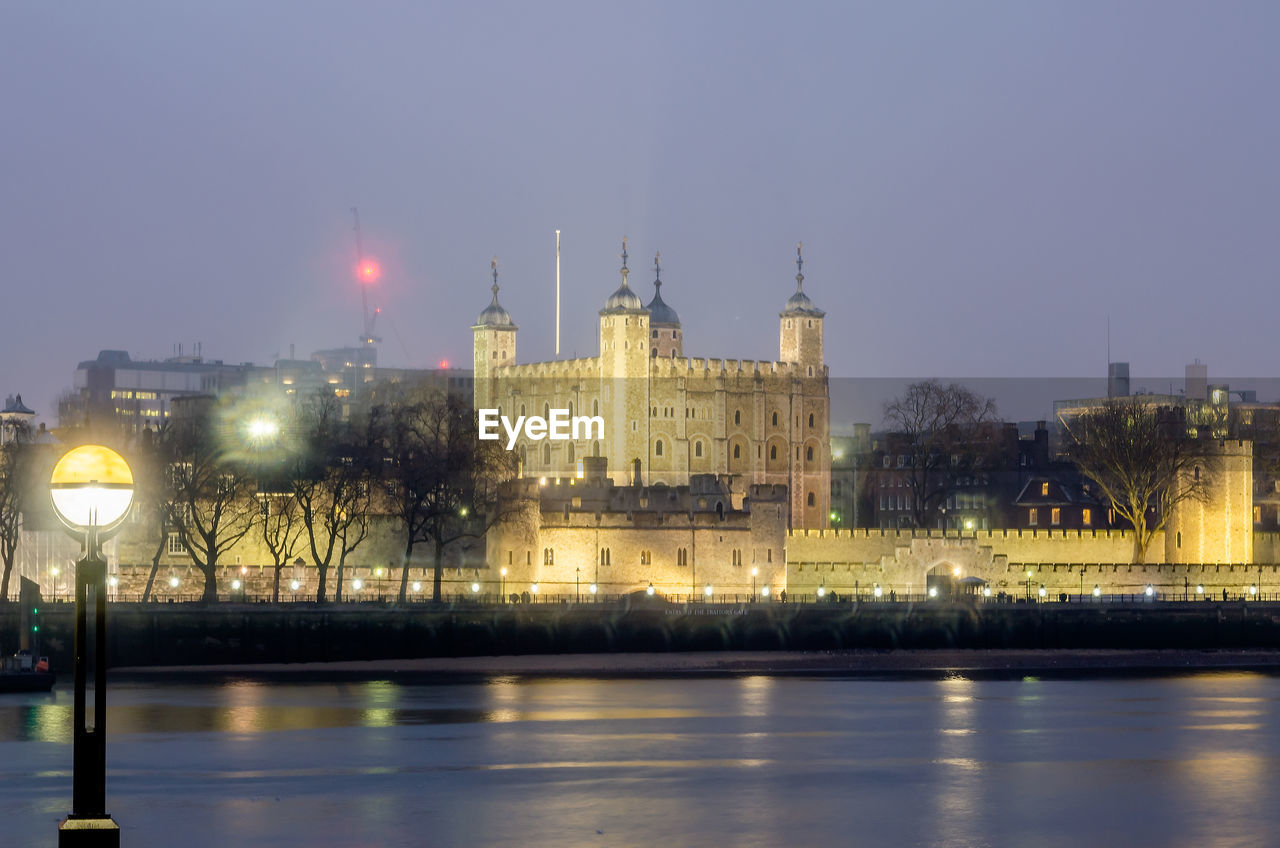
<point>752,760</point>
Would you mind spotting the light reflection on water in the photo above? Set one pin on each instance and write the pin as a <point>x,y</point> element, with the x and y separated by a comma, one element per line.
<point>753,760</point>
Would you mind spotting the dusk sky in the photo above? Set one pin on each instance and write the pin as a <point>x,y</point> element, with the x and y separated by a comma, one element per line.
<point>978,185</point>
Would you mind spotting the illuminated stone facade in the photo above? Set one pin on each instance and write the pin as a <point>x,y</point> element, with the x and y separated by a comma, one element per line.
<point>668,416</point>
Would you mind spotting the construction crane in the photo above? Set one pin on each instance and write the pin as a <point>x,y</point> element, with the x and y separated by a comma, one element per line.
<point>367,272</point>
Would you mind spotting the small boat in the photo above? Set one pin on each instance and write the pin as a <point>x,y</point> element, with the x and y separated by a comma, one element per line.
<point>23,672</point>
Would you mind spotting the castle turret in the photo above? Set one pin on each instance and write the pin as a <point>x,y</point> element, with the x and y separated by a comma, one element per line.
<point>1216,527</point>
<point>624,377</point>
<point>666,337</point>
<point>493,346</point>
<point>801,326</point>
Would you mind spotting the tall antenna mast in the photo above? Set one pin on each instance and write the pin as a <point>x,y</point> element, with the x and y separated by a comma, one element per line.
<point>367,273</point>
<point>557,293</point>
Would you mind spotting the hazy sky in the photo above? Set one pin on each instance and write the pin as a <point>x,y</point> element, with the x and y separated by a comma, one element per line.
<point>978,185</point>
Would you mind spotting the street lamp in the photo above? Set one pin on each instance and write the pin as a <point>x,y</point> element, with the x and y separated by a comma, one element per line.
<point>1149,591</point>
<point>503,588</point>
<point>1097,592</point>
<point>91,489</point>
<point>707,590</point>
<point>754,571</point>
<point>877,591</point>
<point>1043,591</point>
<point>822,590</point>
<point>1199,588</point>
<point>1028,584</point>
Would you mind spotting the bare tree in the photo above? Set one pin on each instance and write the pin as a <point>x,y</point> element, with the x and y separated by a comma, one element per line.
<point>15,488</point>
<point>213,488</point>
<point>332,485</point>
<point>282,526</point>
<point>1142,458</point>
<point>946,433</point>
<point>442,481</point>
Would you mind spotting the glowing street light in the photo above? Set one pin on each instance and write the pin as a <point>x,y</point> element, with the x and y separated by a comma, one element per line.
<point>475,587</point>
<point>822,590</point>
<point>295,585</point>
<point>933,591</point>
<point>877,591</point>
<point>534,588</point>
<point>173,582</point>
<point>1253,590</point>
<point>235,584</point>
<point>649,591</point>
<point>1097,592</point>
<point>1199,588</point>
<point>986,591</point>
<point>707,590</point>
<point>357,584</point>
<point>417,587</point>
<point>1043,590</point>
<point>1149,591</point>
<point>593,588</point>
<point>91,488</point>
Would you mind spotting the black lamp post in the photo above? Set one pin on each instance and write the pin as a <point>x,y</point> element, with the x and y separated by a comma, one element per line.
<point>91,488</point>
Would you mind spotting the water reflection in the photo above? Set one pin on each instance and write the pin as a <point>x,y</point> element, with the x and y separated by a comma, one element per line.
<point>748,761</point>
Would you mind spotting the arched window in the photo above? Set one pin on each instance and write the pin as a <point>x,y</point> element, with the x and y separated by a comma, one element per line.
<point>737,451</point>
<point>737,416</point>
<point>522,410</point>
<point>811,499</point>
<point>546,454</point>
<point>697,449</point>
<point>810,420</point>
<point>546,410</point>
<point>605,557</point>
<point>808,454</point>
<point>720,510</point>
<point>773,451</point>
<point>775,419</point>
<point>595,407</point>
<point>568,450</point>
<point>595,448</point>
<point>657,448</point>
<point>548,556</point>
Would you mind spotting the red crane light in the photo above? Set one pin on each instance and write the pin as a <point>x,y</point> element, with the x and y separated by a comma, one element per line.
<point>368,271</point>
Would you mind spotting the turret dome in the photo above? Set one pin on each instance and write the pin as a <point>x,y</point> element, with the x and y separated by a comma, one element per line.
<point>624,299</point>
<point>659,313</point>
<point>494,315</point>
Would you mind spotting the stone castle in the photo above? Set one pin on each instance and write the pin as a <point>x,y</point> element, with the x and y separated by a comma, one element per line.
<point>669,417</point>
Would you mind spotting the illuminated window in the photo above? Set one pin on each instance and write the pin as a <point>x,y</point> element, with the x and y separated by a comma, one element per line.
<point>1086,516</point>
<point>1044,489</point>
<point>548,556</point>
<point>645,558</point>
<point>1055,516</point>
<point>1257,515</point>
<point>1033,517</point>
<point>175,545</point>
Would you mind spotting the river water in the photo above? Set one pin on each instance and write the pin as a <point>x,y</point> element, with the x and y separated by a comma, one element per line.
<point>747,761</point>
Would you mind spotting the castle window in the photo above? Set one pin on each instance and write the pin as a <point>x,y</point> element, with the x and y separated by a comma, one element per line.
<point>1179,538</point>
<point>697,449</point>
<point>645,558</point>
<point>546,454</point>
<point>606,557</point>
<point>522,410</point>
<point>1033,517</point>
<point>737,417</point>
<point>720,510</point>
<point>1257,515</point>
<point>768,554</point>
<point>808,453</point>
<point>682,556</point>
<point>657,448</point>
<point>1044,489</point>
<point>569,452</point>
<point>546,411</point>
<point>812,501</point>
<point>810,417</point>
<point>810,370</point>
<point>1086,516</point>
<point>655,334</point>
<point>788,323</point>
<point>495,354</point>
<point>737,451</point>
<point>595,407</point>
<point>737,557</point>
<point>595,448</point>
<point>548,556</point>
<point>775,419</point>
<point>773,451</point>
<point>1055,516</point>
<point>655,412</point>
<point>510,554</point>
<point>1197,472</point>
<point>528,557</point>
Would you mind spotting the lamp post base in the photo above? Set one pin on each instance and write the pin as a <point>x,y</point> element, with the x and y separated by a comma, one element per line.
<point>88,833</point>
